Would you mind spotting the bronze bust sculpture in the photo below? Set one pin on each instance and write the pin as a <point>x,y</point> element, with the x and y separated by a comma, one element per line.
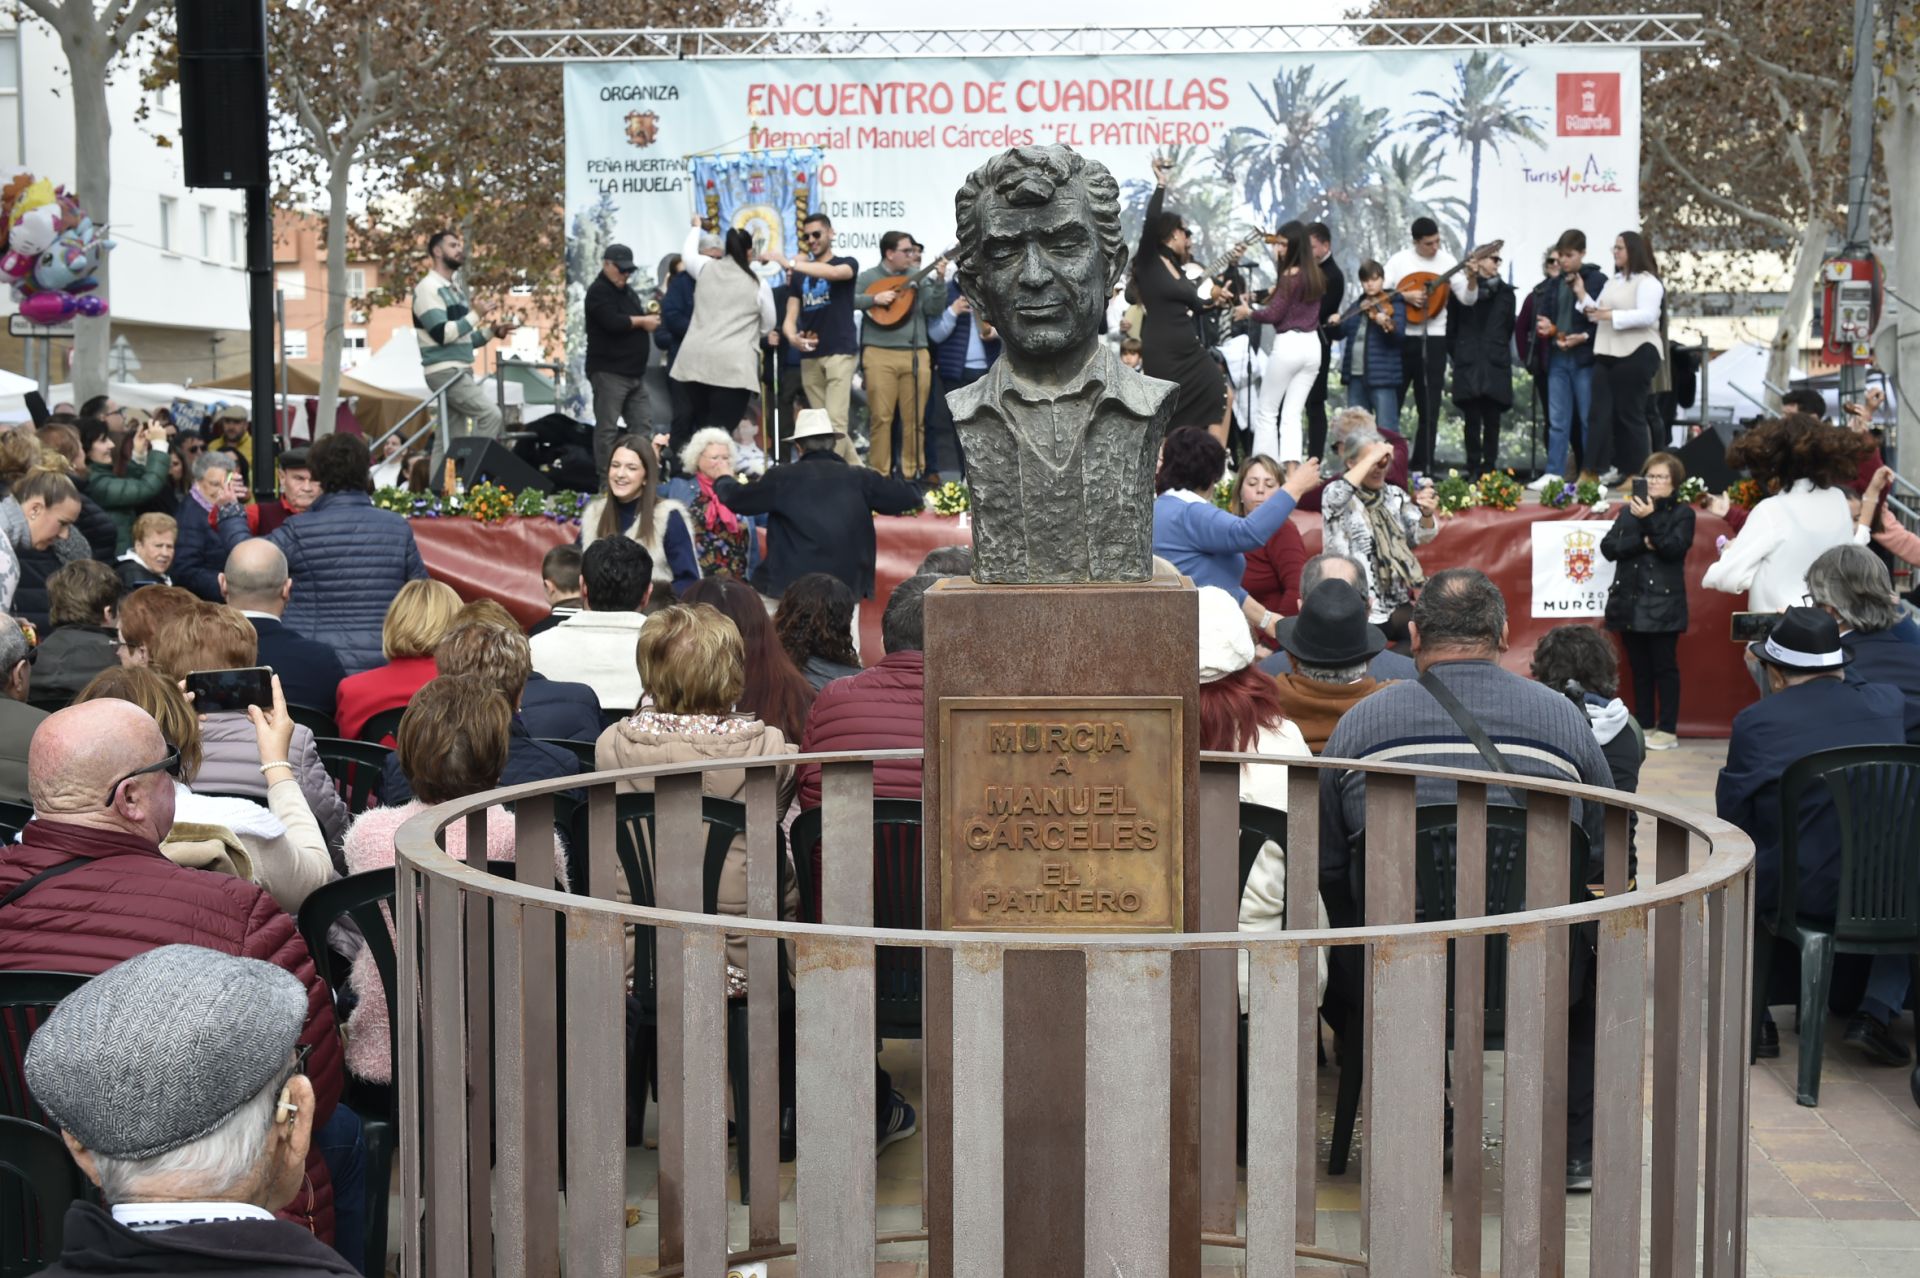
<point>1061,438</point>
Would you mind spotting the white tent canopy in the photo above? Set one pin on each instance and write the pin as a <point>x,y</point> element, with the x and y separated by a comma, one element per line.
<point>1736,382</point>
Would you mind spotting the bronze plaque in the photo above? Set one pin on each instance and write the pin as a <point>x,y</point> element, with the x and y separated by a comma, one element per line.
<point>1061,814</point>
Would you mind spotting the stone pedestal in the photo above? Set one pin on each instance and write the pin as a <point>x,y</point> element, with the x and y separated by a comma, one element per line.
<point>1065,721</point>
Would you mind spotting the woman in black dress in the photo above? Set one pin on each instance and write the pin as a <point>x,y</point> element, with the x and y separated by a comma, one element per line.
<point>1169,339</point>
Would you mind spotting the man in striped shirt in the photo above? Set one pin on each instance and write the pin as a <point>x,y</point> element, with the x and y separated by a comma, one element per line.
<point>449,331</point>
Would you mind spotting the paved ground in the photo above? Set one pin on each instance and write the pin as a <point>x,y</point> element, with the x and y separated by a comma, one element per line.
<point>1835,1191</point>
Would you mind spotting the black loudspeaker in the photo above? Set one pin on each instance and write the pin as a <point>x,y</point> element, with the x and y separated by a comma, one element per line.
<point>1705,458</point>
<point>476,457</point>
<point>223,92</point>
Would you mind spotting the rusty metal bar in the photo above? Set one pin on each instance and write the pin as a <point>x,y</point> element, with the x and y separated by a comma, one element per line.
<point>540,1043</point>
<point>764,982</point>
<point>1549,883</point>
<point>678,851</point>
<point>703,1052</point>
<point>979,1154</point>
<point>833,992</point>
<point>1469,1028</point>
<point>406,1023</point>
<point>1303,914</point>
<point>1620,1053</point>
<point>596,1095</point>
<point>1729,1029</point>
<point>445,1089</point>
<point>1218,886</point>
<point>1129,1038</point>
<point>1524,1101</point>
<point>1274,981</point>
<point>846,843</point>
<point>513,1087</point>
<point>1676,1064</point>
<point>1407,984</point>
<point>480,1078</point>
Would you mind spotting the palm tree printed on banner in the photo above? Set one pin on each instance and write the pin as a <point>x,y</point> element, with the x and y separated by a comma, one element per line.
<point>1411,179</point>
<point>1284,163</point>
<point>1200,190</point>
<point>1476,114</point>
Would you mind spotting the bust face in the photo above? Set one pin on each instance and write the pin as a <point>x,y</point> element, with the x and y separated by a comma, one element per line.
<point>1042,276</point>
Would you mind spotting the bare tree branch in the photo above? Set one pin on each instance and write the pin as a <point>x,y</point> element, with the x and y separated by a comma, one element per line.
<point>1717,198</point>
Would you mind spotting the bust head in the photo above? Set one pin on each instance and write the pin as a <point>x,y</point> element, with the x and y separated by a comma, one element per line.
<point>1039,251</point>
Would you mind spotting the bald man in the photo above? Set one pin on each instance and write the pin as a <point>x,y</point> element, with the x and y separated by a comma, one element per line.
<point>17,719</point>
<point>87,885</point>
<point>255,582</point>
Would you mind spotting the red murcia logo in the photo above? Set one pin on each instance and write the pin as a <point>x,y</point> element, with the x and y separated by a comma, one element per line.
<point>1579,548</point>
<point>642,127</point>
<point>1587,104</point>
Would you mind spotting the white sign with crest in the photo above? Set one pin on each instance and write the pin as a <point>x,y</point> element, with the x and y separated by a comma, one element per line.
<point>1571,577</point>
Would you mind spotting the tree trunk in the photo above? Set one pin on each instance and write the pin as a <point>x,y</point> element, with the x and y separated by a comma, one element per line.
<point>334,337</point>
<point>87,58</point>
<point>1473,200</point>
<point>1796,313</point>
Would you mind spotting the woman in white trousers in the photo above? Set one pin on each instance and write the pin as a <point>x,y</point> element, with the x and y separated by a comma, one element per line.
<point>1294,362</point>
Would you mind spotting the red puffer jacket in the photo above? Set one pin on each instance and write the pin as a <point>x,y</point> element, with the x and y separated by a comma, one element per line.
<point>881,708</point>
<point>131,900</point>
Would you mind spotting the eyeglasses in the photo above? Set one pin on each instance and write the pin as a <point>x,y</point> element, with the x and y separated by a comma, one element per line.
<point>811,236</point>
<point>169,765</point>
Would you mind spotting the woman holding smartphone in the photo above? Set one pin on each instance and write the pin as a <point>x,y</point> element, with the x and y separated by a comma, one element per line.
<point>1650,539</point>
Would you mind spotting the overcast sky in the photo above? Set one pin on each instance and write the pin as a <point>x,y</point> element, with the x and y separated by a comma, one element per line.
<point>896,14</point>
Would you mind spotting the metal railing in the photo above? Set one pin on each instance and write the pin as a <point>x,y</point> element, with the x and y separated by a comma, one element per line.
<point>483,1037</point>
<point>434,406</point>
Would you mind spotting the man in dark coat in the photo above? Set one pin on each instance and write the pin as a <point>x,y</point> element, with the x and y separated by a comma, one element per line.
<point>820,511</point>
<point>1851,584</point>
<point>618,347</point>
<point>198,552</point>
<point>1810,706</point>
<point>256,583</point>
<point>1480,344</point>
<point>1320,237</point>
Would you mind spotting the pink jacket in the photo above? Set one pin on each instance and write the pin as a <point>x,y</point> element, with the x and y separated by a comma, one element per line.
<point>370,847</point>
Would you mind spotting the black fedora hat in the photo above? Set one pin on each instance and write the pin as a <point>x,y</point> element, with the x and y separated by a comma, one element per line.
<point>1804,639</point>
<point>1332,628</point>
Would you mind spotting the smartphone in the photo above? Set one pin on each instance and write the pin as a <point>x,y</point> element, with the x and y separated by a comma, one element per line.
<point>1640,487</point>
<point>1749,626</point>
<point>217,690</point>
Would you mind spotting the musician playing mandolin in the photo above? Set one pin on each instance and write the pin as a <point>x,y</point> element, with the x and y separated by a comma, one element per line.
<point>1424,356</point>
<point>895,360</point>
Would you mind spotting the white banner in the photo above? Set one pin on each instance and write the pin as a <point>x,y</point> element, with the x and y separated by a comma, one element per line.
<point>1571,577</point>
<point>1364,140</point>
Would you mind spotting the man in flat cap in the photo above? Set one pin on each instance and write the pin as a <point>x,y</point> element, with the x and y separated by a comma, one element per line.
<point>87,887</point>
<point>177,1084</point>
<point>618,347</point>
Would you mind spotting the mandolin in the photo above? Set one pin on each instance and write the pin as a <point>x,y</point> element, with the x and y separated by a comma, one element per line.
<point>1435,284</point>
<point>905,288</point>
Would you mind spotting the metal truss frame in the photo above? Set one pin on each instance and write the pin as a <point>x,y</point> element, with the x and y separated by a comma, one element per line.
<point>1643,31</point>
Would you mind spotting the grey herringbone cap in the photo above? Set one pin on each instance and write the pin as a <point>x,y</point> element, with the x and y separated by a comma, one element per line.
<point>156,1052</point>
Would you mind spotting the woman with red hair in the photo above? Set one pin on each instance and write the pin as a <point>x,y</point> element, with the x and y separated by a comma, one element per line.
<point>1240,712</point>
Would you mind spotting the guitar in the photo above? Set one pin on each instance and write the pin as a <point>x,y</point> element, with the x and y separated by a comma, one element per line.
<point>1434,282</point>
<point>1219,265</point>
<point>906,289</point>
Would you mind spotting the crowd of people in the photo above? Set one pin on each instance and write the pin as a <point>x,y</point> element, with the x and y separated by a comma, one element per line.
<point>134,559</point>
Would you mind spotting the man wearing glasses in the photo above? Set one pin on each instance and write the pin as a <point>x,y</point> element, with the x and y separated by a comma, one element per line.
<point>88,887</point>
<point>17,719</point>
<point>819,324</point>
<point>618,347</point>
<point>896,359</point>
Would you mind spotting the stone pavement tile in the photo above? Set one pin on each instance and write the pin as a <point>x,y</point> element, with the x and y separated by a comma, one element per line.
<point>1809,1262</point>
<point>1869,1209</point>
<point>1880,1235</point>
<point>1890,1264</point>
<point>1763,1232</point>
<point>897,1269</point>
<point>1770,1193</point>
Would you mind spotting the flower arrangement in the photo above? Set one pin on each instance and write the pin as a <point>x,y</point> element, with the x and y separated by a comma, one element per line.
<point>1746,494</point>
<point>1498,490</point>
<point>1590,492</point>
<point>951,498</point>
<point>1223,494</point>
<point>1558,492</point>
<point>1453,493</point>
<point>486,502</point>
<point>1693,491</point>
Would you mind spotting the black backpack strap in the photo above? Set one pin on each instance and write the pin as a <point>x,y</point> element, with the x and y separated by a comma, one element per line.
<point>1464,717</point>
<point>51,872</point>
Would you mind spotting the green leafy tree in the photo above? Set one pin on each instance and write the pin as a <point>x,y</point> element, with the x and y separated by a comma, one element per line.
<point>1476,114</point>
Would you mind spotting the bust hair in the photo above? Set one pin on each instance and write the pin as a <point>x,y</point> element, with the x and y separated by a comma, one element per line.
<point>213,1166</point>
<point>1460,607</point>
<point>815,619</point>
<point>1233,709</point>
<point>1676,469</point>
<point>80,593</point>
<point>1574,240</point>
<point>903,627</point>
<point>61,438</point>
<point>1582,654</point>
<point>19,452</point>
<point>561,566</point>
<point>703,439</point>
<point>159,697</point>
<point>489,612</point>
<point>453,737</point>
<point>1780,451</point>
<point>498,654</point>
<point>417,619</point>
<point>1805,400</point>
<point>618,572</point>
<point>143,612</point>
<point>1191,459</point>
<point>1854,582</point>
<point>154,524</point>
<point>1640,259</point>
<point>1027,176</point>
<point>1371,270</point>
<point>774,690</point>
<point>208,462</point>
<point>208,637</point>
<point>692,660</point>
<point>13,645</point>
<point>50,487</point>
<point>947,561</point>
<point>338,463</point>
<point>1423,227</point>
<point>1349,444</point>
<point>815,444</point>
<point>1328,674</point>
<point>1315,572</point>
<point>1347,420</point>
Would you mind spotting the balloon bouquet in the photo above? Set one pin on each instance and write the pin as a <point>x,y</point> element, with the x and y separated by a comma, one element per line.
<point>52,251</point>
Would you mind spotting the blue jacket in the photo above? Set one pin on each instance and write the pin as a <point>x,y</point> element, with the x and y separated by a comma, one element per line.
<point>1546,305</point>
<point>1885,657</point>
<point>560,711</point>
<point>310,672</point>
<point>1771,734</point>
<point>1210,545</point>
<point>347,561</point>
<point>199,555</point>
<point>950,352</point>
<point>1384,364</point>
<point>676,314</point>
